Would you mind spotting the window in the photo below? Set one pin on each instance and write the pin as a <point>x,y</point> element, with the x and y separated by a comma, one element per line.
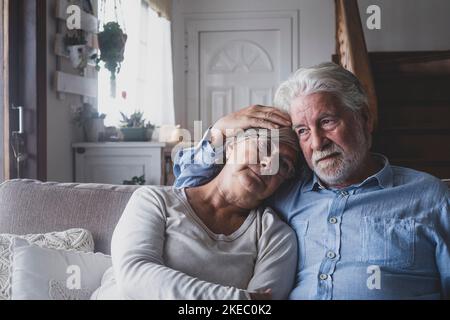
<point>145,82</point>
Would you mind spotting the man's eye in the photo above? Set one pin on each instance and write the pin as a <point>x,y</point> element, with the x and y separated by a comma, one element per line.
<point>327,122</point>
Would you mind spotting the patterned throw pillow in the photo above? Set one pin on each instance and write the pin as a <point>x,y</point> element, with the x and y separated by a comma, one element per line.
<point>73,239</point>
<point>55,274</point>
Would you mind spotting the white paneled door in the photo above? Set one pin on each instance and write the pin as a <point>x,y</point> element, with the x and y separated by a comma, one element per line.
<point>237,60</point>
<point>237,69</point>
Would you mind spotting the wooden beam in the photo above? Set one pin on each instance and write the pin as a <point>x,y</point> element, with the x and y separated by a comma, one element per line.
<point>352,49</point>
<point>4,94</point>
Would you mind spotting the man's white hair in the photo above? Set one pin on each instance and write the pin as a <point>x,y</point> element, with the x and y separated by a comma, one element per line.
<point>326,77</point>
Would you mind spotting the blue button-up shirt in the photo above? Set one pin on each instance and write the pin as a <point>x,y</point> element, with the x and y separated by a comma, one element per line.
<point>385,238</point>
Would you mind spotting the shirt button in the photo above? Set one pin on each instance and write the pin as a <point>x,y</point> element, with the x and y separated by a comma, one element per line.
<point>323,276</point>
<point>331,255</point>
<point>333,220</point>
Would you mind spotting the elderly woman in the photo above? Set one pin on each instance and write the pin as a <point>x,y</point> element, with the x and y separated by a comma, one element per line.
<point>213,241</point>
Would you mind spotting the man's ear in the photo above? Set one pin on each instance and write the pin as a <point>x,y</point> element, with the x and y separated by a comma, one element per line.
<point>368,119</point>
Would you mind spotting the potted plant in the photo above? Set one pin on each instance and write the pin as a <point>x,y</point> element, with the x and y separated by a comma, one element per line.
<point>79,53</point>
<point>133,128</point>
<point>150,129</point>
<point>112,42</point>
<point>135,181</point>
<point>91,121</point>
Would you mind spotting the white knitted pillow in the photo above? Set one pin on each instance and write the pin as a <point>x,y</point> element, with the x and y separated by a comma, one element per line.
<point>55,274</point>
<point>73,239</point>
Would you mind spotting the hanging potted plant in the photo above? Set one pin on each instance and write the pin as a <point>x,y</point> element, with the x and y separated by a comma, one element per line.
<point>112,42</point>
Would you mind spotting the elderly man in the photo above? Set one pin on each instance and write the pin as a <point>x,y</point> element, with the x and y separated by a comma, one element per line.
<point>365,229</point>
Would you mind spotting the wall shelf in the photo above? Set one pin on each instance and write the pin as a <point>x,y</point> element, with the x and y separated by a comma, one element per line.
<point>69,83</point>
<point>69,80</point>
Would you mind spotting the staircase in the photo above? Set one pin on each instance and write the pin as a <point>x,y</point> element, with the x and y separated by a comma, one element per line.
<point>413,91</point>
<point>408,93</point>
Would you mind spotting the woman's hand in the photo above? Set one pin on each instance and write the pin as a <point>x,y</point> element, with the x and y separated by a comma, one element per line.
<point>255,116</point>
<point>261,295</point>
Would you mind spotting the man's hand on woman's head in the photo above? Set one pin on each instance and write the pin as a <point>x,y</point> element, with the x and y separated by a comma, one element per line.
<point>255,116</point>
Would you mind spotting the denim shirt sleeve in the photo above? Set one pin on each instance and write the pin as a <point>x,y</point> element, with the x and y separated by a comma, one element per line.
<point>197,165</point>
<point>443,247</point>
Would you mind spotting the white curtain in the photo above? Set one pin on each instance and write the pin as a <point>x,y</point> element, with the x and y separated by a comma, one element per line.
<point>156,80</point>
<point>145,82</point>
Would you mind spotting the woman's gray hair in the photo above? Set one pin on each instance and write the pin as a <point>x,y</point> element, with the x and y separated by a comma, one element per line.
<point>284,135</point>
<point>326,77</point>
<point>275,137</point>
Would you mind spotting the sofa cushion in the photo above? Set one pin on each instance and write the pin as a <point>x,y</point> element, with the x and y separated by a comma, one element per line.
<point>29,206</point>
<point>48,274</point>
<point>75,239</point>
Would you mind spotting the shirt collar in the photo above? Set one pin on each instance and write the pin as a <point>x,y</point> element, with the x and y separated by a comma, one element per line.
<point>384,177</point>
<point>313,183</point>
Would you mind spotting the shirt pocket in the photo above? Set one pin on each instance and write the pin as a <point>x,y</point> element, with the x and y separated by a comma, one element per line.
<point>387,242</point>
<point>301,228</point>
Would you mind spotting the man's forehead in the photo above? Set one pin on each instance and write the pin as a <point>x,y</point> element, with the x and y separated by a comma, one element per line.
<point>314,105</point>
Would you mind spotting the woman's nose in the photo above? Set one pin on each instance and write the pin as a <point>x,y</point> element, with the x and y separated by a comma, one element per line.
<point>265,162</point>
<point>268,165</point>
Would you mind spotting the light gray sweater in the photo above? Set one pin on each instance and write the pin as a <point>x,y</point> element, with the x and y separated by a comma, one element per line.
<point>162,250</point>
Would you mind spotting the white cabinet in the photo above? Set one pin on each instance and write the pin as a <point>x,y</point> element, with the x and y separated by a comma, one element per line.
<point>115,162</point>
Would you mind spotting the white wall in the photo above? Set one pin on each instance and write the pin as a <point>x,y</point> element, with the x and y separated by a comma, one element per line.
<point>316,32</point>
<point>409,25</point>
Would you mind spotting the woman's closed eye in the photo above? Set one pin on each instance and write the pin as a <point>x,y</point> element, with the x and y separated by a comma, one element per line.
<point>286,167</point>
<point>302,131</point>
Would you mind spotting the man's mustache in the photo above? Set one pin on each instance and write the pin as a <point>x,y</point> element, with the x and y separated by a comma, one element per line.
<point>330,150</point>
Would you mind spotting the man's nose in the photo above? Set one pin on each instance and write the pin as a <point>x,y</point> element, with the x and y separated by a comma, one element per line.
<point>318,140</point>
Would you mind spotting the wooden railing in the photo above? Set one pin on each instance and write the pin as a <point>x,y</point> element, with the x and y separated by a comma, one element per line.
<point>351,49</point>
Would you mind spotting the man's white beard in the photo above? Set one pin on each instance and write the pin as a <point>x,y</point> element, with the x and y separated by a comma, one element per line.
<point>340,168</point>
